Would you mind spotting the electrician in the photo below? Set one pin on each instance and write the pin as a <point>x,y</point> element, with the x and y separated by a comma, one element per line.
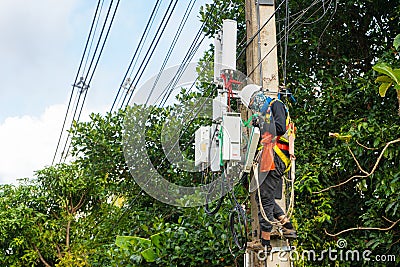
<point>272,117</point>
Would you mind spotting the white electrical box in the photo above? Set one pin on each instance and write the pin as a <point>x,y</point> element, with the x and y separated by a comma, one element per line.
<point>231,131</point>
<point>251,149</point>
<point>201,145</point>
<point>215,157</point>
<point>219,107</point>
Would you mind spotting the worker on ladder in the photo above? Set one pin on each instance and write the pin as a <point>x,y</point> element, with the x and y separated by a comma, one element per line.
<point>272,162</point>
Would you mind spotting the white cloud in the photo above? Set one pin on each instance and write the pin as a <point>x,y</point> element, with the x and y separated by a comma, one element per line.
<point>31,29</point>
<point>34,50</point>
<point>28,143</point>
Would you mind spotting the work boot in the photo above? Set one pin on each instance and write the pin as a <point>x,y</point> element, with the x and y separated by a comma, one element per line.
<point>288,230</point>
<point>266,245</point>
<point>289,233</point>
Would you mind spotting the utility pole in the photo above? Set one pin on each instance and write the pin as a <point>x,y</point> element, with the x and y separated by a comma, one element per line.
<point>263,48</point>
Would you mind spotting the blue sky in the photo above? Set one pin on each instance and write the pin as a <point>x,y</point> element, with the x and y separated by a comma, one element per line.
<point>41,45</point>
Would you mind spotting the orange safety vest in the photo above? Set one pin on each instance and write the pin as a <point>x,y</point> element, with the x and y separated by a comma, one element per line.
<point>270,144</point>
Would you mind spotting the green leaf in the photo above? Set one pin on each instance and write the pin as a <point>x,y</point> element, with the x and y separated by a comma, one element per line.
<point>124,242</point>
<point>384,79</point>
<point>396,42</point>
<point>149,255</point>
<point>156,240</point>
<point>386,69</point>
<point>389,206</point>
<point>383,88</point>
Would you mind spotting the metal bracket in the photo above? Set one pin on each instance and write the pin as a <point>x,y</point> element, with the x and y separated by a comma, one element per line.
<point>266,2</point>
<point>81,85</point>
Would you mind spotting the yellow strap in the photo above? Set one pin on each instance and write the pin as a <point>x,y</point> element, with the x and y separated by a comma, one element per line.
<point>283,157</point>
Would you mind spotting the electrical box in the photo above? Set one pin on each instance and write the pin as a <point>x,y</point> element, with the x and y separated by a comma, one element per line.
<point>201,145</point>
<point>251,149</point>
<point>231,136</point>
<point>215,157</point>
<point>219,107</point>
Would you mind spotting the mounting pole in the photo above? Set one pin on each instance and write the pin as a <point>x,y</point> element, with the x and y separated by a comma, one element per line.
<point>263,47</point>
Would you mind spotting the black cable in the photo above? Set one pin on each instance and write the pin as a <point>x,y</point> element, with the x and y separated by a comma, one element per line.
<point>66,150</point>
<point>174,81</point>
<point>174,41</point>
<point>100,53</point>
<point>137,81</point>
<point>182,67</point>
<point>280,40</point>
<point>141,41</point>
<point>207,209</point>
<point>91,43</point>
<point>286,42</point>
<point>240,238</point>
<point>76,78</point>
<point>152,47</point>
<point>250,40</point>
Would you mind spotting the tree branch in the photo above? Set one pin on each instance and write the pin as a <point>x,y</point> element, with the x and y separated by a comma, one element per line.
<point>41,257</point>
<point>67,235</point>
<point>355,159</point>
<point>362,176</point>
<point>394,243</point>
<point>361,145</point>
<point>58,251</point>
<point>80,203</point>
<point>363,228</point>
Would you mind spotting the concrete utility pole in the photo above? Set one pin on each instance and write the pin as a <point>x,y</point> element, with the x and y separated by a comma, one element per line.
<point>266,75</point>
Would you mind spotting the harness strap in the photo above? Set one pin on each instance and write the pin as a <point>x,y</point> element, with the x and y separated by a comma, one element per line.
<point>283,157</point>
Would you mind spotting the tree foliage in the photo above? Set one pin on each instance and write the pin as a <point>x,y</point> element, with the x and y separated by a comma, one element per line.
<point>90,212</point>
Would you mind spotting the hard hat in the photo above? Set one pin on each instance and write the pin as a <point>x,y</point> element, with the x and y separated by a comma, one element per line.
<point>247,92</point>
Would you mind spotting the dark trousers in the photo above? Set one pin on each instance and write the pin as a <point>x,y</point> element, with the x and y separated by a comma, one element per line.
<point>267,192</point>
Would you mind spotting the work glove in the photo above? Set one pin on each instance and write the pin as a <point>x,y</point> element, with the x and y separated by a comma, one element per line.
<point>255,121</point>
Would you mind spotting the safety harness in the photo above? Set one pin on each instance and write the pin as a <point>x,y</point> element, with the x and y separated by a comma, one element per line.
<point>278,143</point>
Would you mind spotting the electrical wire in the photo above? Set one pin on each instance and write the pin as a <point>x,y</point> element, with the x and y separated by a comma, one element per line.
<point>150,51</point>
<point>138,49</point>
<point>184,64</point>
<point>91,42</point>
<point>174,41</point>
<point>91,73</point>
<point>294,23</point>
<point>251,39</point>
<point>327,25</point>
<point>100,53</point>
<point>174,81</point>
<point>286,34</point>
<point>323,15</point>
<point>98,8</point>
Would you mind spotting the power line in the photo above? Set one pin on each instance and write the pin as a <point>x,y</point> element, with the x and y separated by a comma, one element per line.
<point>85,84</point>
<point>189,55</point>
<point>77,74</point>
<point>296,22</point>
<point>139,46</point>
<point>100,53</point>
<point>91,42</point>
<point>150,51</point>
<point>174,41</point>
<point>141,191</point>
